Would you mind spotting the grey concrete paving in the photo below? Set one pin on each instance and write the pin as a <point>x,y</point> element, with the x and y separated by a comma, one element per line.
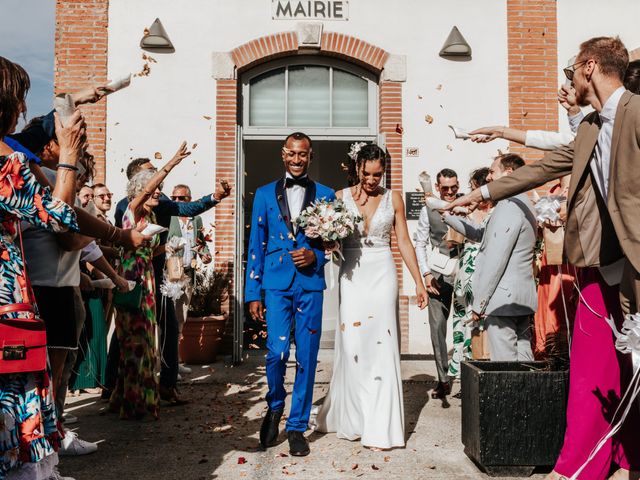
<point>215,436</point>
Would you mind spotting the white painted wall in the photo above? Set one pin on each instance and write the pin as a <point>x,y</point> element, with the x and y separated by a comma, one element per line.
<point>579,20</point>
<point>157,112</point>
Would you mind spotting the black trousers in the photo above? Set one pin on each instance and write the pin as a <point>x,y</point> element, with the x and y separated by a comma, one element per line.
<point>168,325</point>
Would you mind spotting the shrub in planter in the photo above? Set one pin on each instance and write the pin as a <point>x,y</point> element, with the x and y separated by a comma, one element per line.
<point>204,326</point>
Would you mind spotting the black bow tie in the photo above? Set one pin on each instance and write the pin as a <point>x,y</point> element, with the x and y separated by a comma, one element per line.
<point>291,181</point>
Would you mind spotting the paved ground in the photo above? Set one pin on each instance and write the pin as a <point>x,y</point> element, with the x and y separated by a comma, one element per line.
<point>215,436</point>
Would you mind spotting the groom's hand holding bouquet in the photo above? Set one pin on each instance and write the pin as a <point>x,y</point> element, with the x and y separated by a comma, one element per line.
<point>328,221</point>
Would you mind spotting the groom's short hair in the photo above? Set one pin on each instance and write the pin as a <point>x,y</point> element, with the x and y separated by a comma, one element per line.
<point>298,136</point>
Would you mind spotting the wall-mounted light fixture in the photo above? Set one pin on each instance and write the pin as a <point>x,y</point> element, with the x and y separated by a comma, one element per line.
<point>455,45</point>
<point>155,39</point>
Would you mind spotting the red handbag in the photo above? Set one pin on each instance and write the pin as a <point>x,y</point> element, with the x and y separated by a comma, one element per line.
<point>23,341</point>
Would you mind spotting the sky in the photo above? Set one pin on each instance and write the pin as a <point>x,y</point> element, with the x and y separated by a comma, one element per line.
<point>27,37</point>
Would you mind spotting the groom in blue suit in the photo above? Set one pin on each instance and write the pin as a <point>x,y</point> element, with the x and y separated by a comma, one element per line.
<point>289,268</point>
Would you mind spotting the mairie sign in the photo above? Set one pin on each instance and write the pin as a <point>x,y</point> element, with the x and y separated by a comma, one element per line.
<point>310,9</point>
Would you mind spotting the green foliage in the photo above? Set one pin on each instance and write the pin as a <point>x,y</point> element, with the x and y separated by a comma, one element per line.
<point>210,292</point>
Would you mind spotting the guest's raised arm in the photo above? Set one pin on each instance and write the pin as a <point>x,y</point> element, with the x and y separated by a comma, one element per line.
<point>137,204</point>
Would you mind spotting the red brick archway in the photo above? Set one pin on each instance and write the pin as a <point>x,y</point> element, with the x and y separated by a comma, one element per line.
<point>285,44</point>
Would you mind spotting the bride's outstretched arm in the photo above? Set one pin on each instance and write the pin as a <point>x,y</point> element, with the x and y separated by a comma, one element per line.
<point>406,249</point>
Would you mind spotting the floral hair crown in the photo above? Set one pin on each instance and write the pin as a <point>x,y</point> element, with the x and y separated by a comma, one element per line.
<point>355,148</point>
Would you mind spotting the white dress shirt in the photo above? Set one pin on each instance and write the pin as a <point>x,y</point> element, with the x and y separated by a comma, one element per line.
<point>295,199</point>
<point>544,140</point>
<point>600,166</point>
<point>601,159</point>
<point>186,230</point>
<point>422,241</point>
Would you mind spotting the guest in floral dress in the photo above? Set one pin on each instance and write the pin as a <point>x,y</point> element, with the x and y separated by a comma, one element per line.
<point>136,392</point>
<point>29,431</point>
<point>462,292</point>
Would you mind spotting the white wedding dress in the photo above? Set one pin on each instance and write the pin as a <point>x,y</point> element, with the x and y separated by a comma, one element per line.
<point>365,397</point>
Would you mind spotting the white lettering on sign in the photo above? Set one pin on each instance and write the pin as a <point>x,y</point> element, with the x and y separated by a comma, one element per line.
<point>314,9</point>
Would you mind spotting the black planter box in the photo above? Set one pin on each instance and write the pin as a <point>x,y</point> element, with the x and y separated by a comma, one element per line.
<point>513,415</point>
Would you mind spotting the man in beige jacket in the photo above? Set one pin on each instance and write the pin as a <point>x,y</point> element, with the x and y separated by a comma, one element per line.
<point>603,236</point>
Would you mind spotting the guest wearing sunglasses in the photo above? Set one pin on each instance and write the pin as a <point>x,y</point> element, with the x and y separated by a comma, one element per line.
<point>191,229</point>
<point>430,236</point>
<point>102,200</point>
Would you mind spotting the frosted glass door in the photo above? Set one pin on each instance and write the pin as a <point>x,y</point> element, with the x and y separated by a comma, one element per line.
<point>309,98</point>
<point>267,99</point>
<point>350,100</point>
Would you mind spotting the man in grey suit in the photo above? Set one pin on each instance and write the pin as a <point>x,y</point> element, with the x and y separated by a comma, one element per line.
<point>189,228</point>
<point>504,289</point>
<point>431,234</point>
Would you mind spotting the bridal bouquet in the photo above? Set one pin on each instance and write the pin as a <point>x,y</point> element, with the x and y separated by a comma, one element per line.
<point>329,221</point>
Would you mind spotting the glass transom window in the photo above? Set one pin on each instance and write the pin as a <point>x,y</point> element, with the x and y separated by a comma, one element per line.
<point>308,96</point>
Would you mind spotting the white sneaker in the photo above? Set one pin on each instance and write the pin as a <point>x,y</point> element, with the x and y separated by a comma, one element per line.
<point>56,475</point>
<point>72,445</point>
<point>179,378</point>
<point>69,419</point>
<point>183,369</point>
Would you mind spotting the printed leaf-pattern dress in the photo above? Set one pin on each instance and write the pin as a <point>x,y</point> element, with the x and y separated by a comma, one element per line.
<point>462,302</point>
<point>29,430</point>
<point>136,390</point>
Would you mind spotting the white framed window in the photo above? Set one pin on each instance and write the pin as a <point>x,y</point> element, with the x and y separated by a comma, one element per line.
<point>319,96</point>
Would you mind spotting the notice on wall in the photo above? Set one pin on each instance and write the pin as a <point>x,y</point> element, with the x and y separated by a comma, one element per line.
<point>310,10</point>
<point>412,152</point>
<point>413,202</point>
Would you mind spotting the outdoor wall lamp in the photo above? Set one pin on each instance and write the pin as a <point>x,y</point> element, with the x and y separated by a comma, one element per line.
<point>455,45</point>
<point>155,39</point>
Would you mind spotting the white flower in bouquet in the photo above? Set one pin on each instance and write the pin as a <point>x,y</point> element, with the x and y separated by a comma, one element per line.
<point>329,221</point>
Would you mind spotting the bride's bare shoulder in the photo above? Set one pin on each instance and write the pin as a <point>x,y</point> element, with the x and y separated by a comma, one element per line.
<point>341,193</point>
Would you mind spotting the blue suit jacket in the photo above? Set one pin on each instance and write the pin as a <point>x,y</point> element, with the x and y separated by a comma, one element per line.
<point>167,208</point>
<point>269,265</point>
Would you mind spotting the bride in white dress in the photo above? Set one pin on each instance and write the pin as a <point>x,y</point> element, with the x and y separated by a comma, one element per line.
<point>365,397</point>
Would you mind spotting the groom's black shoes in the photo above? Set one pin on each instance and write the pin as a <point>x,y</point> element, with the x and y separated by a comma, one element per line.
<point>298,444</point>
<point>269,430</point>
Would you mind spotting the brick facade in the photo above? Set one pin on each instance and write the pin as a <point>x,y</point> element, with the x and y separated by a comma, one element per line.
<point>348,48</point>
<point>282,44</point>
<point>533,68</point>
<point>391,126</point>
<point>81,61</point>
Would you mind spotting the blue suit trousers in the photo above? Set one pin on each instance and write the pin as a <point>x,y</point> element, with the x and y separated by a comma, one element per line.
<point>303,310</point>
